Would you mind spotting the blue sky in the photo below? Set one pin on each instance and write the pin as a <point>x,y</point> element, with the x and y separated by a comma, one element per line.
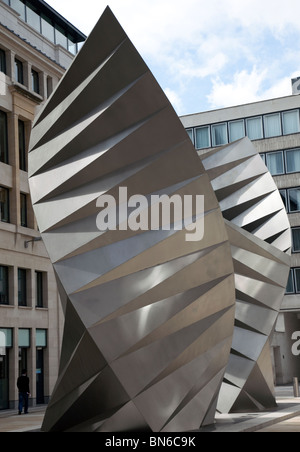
<point>207,54</point>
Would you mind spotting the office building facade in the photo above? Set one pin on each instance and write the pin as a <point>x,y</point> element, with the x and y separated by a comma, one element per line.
<point>37,45</point>
<point>274,127</point>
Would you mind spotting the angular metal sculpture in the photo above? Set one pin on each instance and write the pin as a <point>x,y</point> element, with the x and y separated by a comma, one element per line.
<point>260,237</point>
<point>149,317</point>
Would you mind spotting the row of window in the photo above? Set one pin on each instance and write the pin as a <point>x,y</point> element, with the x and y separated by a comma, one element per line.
<point>6,276</point>
<point>256,128</point>
<point>30,13</point>
<point>282,162</point>
<point>5,207</point>
<point>24,338</point>
<point>4,152</point>
<point>19,75</point>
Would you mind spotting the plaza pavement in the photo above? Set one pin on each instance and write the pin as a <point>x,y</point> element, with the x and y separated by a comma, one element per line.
<point>286,418</point>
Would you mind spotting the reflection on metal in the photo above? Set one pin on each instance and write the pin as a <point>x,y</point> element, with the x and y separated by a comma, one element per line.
<point>259,233</point>
<point>149,317</point>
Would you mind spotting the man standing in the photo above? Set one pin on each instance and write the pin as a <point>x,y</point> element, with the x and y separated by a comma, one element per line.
<point>24,392</point>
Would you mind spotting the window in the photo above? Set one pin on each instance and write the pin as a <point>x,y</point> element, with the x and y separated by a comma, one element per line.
<point>4,205</point>
<point>296,240</point>
<point>33,18</point>
<point>23,210</point>
<point>294,200</point>
<point>283,194</point>
<point>4,296</point>
<point>254,128</point>
<point>22,287</point>
<point>47,28</point>
<point>18,6</point>
<point>236,130</point>
<point>2,61</point>
<point>275,163</point>
<point>22,146</point>
<point>290,122</point>
<point>219,134</point>
<point>41,338</point>
<point>190,134</point>
<point>297,279</point>
<point>272,125</point>
<point>24,339</point>
<point>19,72</point>
<point>202,137</point>
<point>72,46</point>
<point>35,80</point>
<point>60,37</point>
<point>39,289</point>
<point>3,138</point>
<point>290,285</point>
<point>293,161</point>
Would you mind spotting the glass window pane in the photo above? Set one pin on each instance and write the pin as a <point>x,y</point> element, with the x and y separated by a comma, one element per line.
<point>293,161</point>
<point>4,285</point>
<point>24,338</point>
<point>254,128</point>
<point>297,279</point>
<point>60,37</point>
<point>23,203</point>
<point>4,205</point>
<point>190,134</point>
<point>294,200</point>
<point>219,134</point>
<point>35,81</point>
<point>22,287</point>
<point>33,18</point>
<point>272,125</point>
<point>47,29</point>
<point>202,137</point>
<point>18,6</point>
<point>3,138</point>
<point>72,46</point>
<point>290,120</point>
<point>236,130</point>
<point>2,61</point>
<point>19,71</point>
<point>296,240</point>
<point>290,285</point>
<point>7,332</point>
<point>283,194</point>
<point>41,338</point>
<point>275,163</point>
<point>263,157</point>
<point>39,289</point>
<point>22,146</point>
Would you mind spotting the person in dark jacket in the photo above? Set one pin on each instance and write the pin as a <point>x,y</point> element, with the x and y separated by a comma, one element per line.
<point>24,392</point>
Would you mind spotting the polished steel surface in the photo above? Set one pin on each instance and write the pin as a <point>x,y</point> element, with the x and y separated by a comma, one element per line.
<point>260,237</point>
<point>149,316</point>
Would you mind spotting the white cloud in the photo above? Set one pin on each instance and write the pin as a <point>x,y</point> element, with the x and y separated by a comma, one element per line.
<point>243,88</point>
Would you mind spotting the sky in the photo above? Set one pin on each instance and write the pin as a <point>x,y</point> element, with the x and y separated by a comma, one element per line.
<point>206,54</point>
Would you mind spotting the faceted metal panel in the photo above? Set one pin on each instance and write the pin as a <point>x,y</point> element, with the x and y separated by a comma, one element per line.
<point>149,316</point>
<point>260,237</point>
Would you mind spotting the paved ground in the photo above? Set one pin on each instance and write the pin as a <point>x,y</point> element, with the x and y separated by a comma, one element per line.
<point>286,418</point>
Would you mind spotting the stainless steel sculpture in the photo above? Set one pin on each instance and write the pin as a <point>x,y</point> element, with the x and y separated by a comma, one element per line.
<point>260,237</point>
<point>149,316</point>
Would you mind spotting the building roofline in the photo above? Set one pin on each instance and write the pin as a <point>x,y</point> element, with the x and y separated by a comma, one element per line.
<point>59,19</point>
<point>238,106</point>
